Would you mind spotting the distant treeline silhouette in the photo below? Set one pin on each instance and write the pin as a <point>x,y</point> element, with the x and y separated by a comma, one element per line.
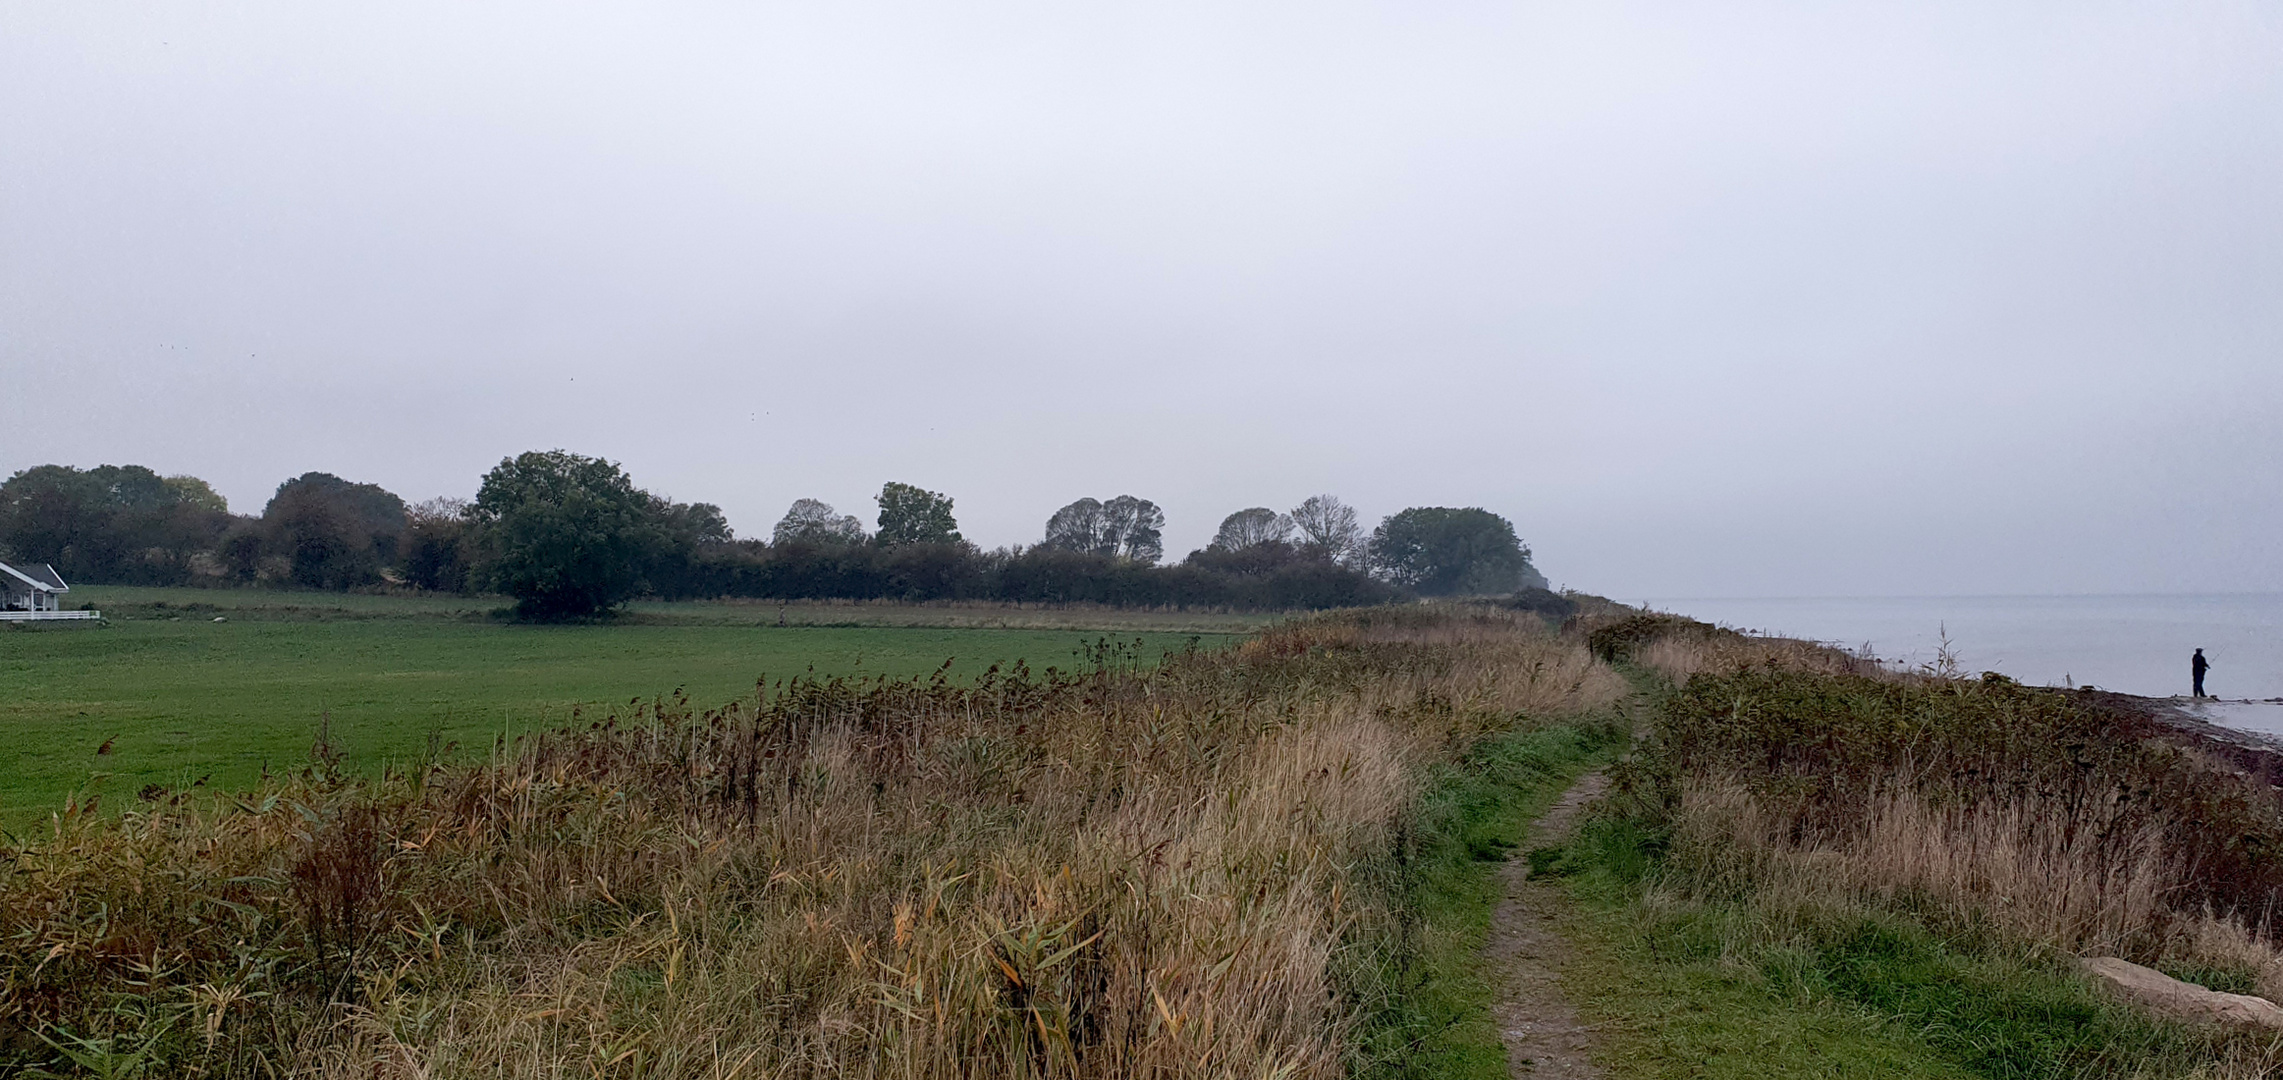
<point>568,535</point>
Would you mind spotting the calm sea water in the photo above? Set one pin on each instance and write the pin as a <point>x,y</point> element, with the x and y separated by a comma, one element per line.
<point>2136,644</point>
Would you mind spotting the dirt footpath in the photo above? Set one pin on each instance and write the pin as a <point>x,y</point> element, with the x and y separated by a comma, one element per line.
<point>1544,1037</point>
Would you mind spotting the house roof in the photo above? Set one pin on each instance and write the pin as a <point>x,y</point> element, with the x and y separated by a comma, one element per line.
<point>40,576</point>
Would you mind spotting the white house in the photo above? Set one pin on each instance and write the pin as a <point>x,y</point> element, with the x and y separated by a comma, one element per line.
<point>34,592</point>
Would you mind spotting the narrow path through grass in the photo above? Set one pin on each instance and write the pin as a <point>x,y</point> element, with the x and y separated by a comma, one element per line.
<point>1546,1035</point>
<point>1434,1017</point>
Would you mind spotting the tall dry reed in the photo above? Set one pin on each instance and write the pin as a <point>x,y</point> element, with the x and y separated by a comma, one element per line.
<point>1131,870</point>
<point>1677,647</point>
<point>2011,867</point>
<point>1790,779</point>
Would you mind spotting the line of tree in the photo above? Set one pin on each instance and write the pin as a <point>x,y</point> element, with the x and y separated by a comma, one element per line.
<point>566,535</point>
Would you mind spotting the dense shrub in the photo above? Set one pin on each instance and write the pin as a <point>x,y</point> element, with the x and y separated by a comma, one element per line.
<point>1544,602</point>
<point>920,572</point>
<point>1620,640</point>
<point>436,546</point>
<point>1820,753</point>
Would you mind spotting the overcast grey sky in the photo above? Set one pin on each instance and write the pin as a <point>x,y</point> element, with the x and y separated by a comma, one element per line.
<point>1710,299</point>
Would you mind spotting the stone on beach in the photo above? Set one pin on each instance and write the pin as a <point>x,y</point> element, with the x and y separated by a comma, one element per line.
<point>2164,994</point>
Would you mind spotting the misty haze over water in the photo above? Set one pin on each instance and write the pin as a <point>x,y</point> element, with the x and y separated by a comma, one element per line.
<point>2138,644</point>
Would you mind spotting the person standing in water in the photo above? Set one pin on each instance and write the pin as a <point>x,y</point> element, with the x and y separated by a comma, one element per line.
<point>2197,667</point>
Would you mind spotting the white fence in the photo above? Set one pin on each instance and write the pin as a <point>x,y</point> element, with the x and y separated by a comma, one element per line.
<point>43,616</point>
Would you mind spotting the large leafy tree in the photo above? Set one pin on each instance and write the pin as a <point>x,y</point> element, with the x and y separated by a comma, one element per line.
<point>1125,528</point>
<point>689,537</point>
<point>563,534</point>
<point>1251,528</point>
<point>913,515</point>
<point>112,523</point>
<point>1136,527</point>
<point>1441,551</point>
<point>334,534</point>
<point>814,521</point>
<point>688,526</point>
<point>196,494</point>
<point>1078,527</point>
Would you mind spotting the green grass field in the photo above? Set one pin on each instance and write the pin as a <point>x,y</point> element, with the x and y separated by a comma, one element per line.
<point>179,696</point>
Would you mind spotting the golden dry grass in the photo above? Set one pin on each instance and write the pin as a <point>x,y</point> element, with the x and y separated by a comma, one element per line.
<point>1680,655</point>
<point>2009,867</point>
<point>1125,872</point>
<point>1801,778</point>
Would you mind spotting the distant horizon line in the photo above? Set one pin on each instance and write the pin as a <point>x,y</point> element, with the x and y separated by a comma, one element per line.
<point>1968,596</point>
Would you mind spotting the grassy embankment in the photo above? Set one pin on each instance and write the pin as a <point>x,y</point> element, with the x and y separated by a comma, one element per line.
<point>1815,868</point>
<point>1278,860</point>
<point>1219,866</point>
<point>176,696</point>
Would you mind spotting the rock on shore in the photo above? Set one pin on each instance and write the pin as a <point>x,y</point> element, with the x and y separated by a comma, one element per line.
<point>2161,993</point>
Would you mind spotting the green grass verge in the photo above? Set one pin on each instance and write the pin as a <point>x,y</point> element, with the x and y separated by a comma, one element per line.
<point>180,698</point>
<point>1425,998</point>
<point>1690,988</point>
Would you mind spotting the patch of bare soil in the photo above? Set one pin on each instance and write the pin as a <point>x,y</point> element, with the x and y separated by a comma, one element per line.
<point>1544,1036</point>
